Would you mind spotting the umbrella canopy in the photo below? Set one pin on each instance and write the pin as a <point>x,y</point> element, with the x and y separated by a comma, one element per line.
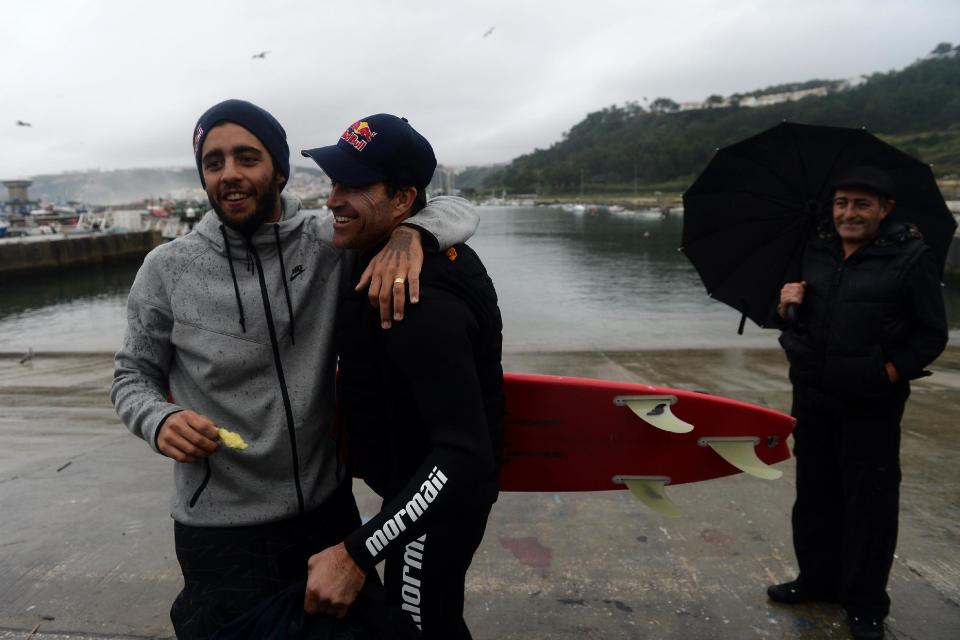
<point>749,214</point>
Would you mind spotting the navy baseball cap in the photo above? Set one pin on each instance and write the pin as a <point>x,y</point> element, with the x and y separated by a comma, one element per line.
<point>378,148</point>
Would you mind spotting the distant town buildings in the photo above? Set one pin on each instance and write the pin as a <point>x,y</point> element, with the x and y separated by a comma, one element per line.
<point>788,96</point>
<point>767,99</point>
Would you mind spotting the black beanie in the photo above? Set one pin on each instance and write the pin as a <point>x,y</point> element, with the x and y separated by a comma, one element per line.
<point>252,118</point>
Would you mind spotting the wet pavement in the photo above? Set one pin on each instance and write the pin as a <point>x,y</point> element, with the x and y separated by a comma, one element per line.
<point>86,542</point>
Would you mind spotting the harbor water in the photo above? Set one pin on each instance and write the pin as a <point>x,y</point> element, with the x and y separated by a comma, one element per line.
<point>566,281</point>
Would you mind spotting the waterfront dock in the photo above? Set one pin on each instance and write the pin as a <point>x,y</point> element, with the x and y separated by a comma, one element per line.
<point>86,542</point>
<point>31,255</point>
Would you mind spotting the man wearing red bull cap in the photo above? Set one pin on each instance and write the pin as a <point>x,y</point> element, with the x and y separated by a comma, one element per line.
<point>422,404</point>
<point>231,327</point>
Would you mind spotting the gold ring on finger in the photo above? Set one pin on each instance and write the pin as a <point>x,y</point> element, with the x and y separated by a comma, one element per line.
<point>399,280</point>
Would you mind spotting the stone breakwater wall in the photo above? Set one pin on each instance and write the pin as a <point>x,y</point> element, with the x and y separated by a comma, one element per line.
<point>31,255</point>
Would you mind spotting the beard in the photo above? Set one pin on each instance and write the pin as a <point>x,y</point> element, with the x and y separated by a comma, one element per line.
<point>266,206</point>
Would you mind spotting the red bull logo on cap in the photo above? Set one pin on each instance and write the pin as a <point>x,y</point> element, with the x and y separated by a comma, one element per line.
<point>358,135</point>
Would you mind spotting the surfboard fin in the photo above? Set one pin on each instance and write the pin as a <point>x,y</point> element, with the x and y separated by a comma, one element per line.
<point>740,453</point>
<point>655,410</point>
<point>650,491</point>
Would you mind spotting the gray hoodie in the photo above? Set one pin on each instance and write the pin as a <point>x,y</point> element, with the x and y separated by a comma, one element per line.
<point>250,347</point>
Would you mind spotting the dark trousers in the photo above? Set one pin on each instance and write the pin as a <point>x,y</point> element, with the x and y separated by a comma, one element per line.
<point>848,491</point>
<point>227,571</point>
<point>426,578</point>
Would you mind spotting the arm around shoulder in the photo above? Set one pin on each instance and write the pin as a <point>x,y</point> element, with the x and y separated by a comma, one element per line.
<point>445,221</point>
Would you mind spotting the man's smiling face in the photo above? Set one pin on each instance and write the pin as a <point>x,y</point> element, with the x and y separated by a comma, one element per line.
<point>241,182</point>
<point>366,214</point>
<point>857,215</point>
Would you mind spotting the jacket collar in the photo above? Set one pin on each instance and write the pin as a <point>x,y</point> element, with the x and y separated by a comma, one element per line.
<point>887,241</point>
<point>293,218</point>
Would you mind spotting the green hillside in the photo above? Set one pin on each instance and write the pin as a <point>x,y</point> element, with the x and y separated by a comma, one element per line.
<point>917,108</point>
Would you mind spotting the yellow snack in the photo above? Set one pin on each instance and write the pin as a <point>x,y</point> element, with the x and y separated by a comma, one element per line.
<point>231,439</point>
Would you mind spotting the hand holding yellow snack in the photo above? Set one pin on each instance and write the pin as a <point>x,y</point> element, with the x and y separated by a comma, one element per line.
<point>230,439</point>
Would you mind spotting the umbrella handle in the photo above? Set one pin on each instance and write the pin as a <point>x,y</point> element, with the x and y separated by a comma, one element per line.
<point>791,313</point>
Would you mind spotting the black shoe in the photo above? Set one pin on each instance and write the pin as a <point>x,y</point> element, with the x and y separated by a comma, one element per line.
<point>795,593</point>
<point>865,627</point>
<point>787,593</point>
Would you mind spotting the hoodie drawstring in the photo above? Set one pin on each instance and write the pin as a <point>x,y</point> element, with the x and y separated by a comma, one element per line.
<point>283,278</point>
<point>236,287</point>
<point>284,393</point>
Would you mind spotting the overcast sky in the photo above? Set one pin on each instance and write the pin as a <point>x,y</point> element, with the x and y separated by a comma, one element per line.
<point>120,83</point>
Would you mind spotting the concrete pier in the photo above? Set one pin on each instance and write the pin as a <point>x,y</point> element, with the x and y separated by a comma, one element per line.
<point>86,542</point>
<point>37,254</point>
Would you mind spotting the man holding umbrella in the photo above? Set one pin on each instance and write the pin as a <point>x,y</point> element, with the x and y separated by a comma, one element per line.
<point>860,231</point>
<point>867,317</point>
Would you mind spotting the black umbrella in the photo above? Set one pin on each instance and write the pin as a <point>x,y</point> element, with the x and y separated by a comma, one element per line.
<point>750,212</point>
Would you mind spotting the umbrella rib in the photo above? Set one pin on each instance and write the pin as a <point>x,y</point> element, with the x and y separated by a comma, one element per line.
<point>783,180</point>
<point>847,143</point>
<point>768,197</point>
<point>787,203</point>
<point>800,158</point>
<point>790,207</point>
<point>789,228</point>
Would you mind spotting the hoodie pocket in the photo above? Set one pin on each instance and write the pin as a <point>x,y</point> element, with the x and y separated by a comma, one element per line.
<point>203,484</point>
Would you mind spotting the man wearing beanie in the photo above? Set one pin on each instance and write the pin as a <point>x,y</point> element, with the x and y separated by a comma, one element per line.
<point>231,327</point>
<point>424,425</point>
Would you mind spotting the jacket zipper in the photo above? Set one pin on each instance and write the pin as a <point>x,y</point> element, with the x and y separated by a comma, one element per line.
<point>288,410</point>
<point>835,277</point>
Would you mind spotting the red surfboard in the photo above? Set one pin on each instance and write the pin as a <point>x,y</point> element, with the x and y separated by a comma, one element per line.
<point>576,434</point>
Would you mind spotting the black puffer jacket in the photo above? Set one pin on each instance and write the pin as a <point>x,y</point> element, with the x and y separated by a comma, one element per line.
<point>882,304</point>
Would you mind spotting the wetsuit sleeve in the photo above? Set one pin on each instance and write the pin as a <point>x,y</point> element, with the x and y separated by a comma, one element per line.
<point>141,366</point>
<point>444,222</point>
<point>928,336</point>
<point>431,349</point>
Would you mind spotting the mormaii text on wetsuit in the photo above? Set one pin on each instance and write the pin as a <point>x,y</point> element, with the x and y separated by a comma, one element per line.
<point>420,502</point>
<point>410,591</point>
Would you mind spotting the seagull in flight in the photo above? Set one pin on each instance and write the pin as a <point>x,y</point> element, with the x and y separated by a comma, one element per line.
<point>21,123</point>
<point>489,31</point>
<point>262,55</point>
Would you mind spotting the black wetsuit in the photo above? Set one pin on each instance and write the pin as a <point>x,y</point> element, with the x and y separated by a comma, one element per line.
<point>422,405</point>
